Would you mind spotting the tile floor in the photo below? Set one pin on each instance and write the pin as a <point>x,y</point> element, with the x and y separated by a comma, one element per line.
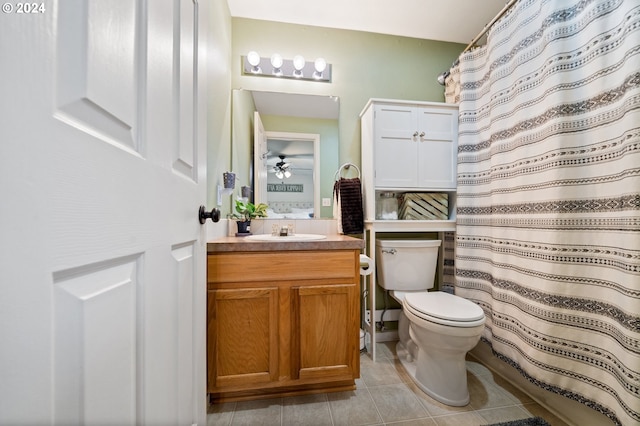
<point>385,395</point>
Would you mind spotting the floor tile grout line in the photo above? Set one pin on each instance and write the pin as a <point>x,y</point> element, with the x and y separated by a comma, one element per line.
<point>376,406</point>
<point>417,398</point>
<point>326,399</point>
<point>233,413</point>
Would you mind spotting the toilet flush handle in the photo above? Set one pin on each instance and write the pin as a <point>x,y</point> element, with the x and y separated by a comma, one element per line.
<point>390,251</point>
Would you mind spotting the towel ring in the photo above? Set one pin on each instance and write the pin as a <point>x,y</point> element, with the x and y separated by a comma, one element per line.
<point>345,166</point>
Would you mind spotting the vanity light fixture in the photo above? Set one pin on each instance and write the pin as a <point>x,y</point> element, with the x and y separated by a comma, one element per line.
<point>276,66</point>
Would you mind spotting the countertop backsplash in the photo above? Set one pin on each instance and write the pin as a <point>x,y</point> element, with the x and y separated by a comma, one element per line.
<point>300,226</point>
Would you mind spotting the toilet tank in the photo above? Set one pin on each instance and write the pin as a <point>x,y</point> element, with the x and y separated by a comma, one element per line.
<point>406,265</point>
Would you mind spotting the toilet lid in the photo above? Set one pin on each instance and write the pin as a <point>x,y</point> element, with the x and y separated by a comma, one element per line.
<point>442,305</point>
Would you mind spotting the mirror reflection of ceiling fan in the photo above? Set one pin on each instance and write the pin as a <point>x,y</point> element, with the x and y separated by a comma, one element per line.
<point>285,168</point>
<point>281,169</point>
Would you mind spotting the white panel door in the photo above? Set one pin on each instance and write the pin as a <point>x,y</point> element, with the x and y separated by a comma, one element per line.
<point>102,170</point>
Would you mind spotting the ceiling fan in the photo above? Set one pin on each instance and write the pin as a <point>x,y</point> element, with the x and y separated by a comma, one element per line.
<point>281,168</point>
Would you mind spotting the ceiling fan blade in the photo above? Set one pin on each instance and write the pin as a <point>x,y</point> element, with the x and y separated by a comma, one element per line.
<point>305,155</point>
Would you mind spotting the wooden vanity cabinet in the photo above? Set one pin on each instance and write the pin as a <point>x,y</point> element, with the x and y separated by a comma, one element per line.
<point>282,323</point>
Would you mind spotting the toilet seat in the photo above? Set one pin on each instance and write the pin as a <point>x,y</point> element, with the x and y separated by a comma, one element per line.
<point>444,308</point>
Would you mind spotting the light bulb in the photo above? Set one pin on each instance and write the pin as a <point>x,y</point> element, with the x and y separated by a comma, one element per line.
<point>320,65</point>
<point>298,64</point>
<point>279,174</point>
<point>276,63</point>
<point>254,60</point>
<point>287,174</point>
<point>276,60</point>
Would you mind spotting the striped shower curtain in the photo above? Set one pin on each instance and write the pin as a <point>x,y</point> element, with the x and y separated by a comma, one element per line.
<point>548,204</point>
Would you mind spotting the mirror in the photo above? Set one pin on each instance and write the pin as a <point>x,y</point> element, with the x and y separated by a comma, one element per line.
<point>304,129</point>
<point>287,173</point>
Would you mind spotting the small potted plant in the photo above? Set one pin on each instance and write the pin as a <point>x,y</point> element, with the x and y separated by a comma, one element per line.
<point>245,211</point>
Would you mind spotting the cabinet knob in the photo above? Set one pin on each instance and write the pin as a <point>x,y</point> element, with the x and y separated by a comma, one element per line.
<point>422,134</point>
<point>415,134</point>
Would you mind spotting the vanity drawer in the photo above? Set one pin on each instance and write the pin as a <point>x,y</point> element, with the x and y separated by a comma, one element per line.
<point>276,266</point>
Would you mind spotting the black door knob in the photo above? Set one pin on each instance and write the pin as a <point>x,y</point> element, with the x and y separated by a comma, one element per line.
<point>203,215</point>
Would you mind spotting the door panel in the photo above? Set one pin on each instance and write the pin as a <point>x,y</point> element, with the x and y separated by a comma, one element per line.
<point>96,66</point>
<point>438,124</point>
<point>184,259</point>
<point>395,146</point>
<point>88,339</point>
<point>186,148</point>
<point>437,161</point>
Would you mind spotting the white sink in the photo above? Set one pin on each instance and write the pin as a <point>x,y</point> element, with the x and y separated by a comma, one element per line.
<point>289,238</point>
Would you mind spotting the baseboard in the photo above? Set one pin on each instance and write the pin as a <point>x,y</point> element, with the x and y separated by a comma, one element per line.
<point>387,336</point>
<point>571,412</point>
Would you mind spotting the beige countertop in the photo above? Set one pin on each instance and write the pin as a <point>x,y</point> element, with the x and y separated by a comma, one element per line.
<point>332,242</point>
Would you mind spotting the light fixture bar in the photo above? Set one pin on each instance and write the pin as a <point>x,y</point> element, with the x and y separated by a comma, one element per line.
<point>264,68</point>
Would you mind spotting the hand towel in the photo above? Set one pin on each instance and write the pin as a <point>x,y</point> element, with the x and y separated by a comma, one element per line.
<point>348,193</point>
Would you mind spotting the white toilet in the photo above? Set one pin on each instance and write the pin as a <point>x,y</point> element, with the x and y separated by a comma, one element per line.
<point>436,329</point>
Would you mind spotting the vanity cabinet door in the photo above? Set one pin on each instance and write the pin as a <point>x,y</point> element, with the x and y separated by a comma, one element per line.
<point>242,338</point>
<point>325,344</point>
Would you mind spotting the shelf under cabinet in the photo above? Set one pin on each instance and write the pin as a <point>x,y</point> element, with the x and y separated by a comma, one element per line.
<point>412,225</point>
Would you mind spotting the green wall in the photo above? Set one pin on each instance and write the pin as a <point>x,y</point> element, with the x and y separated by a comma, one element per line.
<point>364,65</point>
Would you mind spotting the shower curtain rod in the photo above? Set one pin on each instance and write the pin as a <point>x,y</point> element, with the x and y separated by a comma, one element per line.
<point>490,24</point>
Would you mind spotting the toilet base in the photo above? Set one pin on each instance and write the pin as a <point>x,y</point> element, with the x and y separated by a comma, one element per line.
<point>410,367</point>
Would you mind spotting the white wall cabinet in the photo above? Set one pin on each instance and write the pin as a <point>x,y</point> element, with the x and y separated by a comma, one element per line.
<point>407,147</point>
<point>415,145</point>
